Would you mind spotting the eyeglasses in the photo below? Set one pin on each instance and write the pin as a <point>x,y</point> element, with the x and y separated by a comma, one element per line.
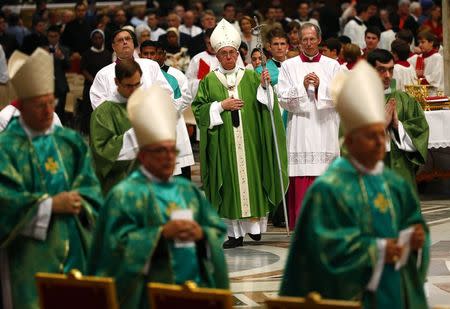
<point>162,151</point>
<point>230,54</point>
<point>131,86</point>
<point>126,39</point>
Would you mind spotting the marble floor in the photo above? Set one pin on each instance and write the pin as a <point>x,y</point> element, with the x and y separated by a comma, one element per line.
<point>256,268</point>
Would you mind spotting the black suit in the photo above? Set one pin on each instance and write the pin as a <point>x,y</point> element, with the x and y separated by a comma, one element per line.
<point>9,43</point>
<point>411,24</point>
<point>61,85</point>
<point>33,41</point>
<point>184,40</point>
<point>197,45</point>
<point>76,36</point>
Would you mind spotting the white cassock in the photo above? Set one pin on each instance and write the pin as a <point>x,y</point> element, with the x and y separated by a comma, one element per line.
<point>313,124</point>
<point>104,85</point>
<point>404,75</point>
<point>155,34</point>
<point>185,157</point>
<point>434,69</point>
<point>191,31</point>
<point>386,39</point>
<point>355,30</point>
<point>11,111</point>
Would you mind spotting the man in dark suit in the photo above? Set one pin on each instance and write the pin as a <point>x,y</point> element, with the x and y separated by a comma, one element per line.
<point>61,60</point>
<point>174,21</point>
<point>77,32</point>
<point>8,42</point>
<point>36,38</point>
<point>197,43</point>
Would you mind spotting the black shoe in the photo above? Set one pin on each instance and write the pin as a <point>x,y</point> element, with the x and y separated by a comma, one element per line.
<point>233,242</point>
<point>256,237</point>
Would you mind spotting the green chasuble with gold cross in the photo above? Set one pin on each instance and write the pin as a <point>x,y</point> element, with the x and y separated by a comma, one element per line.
<point>31,171</point>
<point>239,168</point>
<point>129,246</point>
<point>334,248</point>
<point>412,117</point>
<point>109,122</point>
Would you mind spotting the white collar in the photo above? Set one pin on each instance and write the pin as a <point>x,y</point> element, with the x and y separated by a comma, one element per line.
<point>377,170</point>
<point>388,90</point>
<point>225,72</point>
<point>152,177</point>
<point>95,50</point>
<point>118,98</point>
<point>32,133</point>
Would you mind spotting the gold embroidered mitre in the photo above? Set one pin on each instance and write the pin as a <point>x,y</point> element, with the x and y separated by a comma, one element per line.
<point>225,35</point>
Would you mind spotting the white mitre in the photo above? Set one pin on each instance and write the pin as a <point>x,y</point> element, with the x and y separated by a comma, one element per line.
<point>359,97</point>
<point>152,115</point>
<point>225,34</point>
<point>33,75</point>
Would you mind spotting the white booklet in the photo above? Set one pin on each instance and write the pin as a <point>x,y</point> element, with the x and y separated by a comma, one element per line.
<point>404,240</point>
<point>182,214</point>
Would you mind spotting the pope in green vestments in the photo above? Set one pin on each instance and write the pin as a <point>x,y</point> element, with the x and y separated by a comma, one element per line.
<point>237,148</point>
<point>49,194</point>
<point>113,142</point>
<point>137,239</point>
<point>346,242</point>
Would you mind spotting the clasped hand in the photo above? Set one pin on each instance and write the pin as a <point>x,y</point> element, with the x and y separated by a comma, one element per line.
<point>232,104</point>
<point>311,78</point>
<point>185,230</point>
<point>67,203</point>
<point>394,251</point>
<point>390,111</point>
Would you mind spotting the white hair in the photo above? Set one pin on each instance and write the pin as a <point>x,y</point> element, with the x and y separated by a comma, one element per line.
<point>140,29</point>
<point>414,6</point>
<point>401,2</point>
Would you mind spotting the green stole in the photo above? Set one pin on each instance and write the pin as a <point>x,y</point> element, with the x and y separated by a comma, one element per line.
<point>54,175</point>
<point>184,259</point>
<point>384,225</point>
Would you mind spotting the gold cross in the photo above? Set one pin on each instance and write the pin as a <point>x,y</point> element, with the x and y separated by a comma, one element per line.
<point>381,203</point>
<point>51,165</point>
<point>171,206</point>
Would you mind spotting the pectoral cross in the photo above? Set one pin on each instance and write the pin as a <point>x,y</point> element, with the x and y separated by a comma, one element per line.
<point>381,203</point>
<point>171,206</point>
<point>51,165</point>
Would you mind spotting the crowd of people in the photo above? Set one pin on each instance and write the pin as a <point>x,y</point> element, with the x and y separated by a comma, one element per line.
<point>311,107</point>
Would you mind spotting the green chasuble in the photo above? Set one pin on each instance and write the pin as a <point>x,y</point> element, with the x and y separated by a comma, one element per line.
<point>128,244</point>
<point>222,173</point>
<point>334,249</point>
<point>411,115</point>
<point>109,122</point>
<point>30,172</point>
